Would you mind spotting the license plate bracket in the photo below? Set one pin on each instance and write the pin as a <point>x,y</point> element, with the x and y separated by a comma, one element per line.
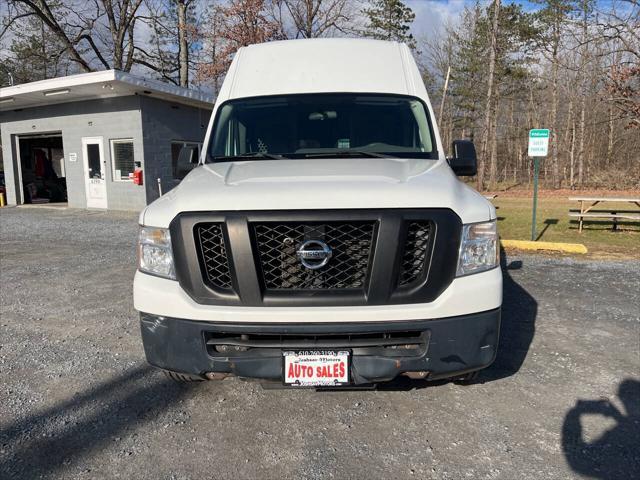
<point>316,367</point>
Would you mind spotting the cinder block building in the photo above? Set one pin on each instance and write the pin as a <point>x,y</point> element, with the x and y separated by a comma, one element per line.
<point>79,139</point>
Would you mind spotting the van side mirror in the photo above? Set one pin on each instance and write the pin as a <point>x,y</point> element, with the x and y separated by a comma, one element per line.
<point>187,161</point>
<point>464,161</point>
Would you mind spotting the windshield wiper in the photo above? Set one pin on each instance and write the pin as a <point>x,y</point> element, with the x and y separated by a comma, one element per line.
<point>347,153</point>
<point>270,156</point>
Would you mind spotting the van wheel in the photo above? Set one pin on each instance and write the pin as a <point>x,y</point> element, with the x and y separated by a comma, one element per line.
<point>182,377</point>
<point>467,379</point>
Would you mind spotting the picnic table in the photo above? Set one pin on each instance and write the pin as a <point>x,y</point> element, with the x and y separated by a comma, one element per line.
<point>587,205</point>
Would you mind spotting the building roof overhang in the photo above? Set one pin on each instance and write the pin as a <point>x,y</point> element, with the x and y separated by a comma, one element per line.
<point>97,85</point>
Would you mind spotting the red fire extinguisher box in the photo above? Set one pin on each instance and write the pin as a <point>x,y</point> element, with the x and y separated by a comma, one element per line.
<point>137,176</point>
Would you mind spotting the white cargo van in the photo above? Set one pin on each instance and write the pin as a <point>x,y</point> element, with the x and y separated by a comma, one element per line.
<point>322,239</point>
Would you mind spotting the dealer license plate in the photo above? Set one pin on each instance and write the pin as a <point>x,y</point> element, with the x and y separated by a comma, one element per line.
<point>316,368</point>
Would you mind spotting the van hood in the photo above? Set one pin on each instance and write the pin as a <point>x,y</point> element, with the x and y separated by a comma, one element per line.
<point>320,184</point>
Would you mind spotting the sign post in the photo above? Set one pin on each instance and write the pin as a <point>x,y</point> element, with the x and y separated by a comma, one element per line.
<point>538,149</point>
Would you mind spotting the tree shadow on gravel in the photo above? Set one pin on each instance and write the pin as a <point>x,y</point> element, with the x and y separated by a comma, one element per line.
<point>43,443</point>
<point>517,329</point>
<point>615,455</point>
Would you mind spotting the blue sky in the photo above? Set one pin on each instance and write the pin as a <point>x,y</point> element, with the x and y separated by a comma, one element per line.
<point>431,14</point>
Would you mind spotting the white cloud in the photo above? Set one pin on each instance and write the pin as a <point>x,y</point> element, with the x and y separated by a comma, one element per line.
<point>433,15</point>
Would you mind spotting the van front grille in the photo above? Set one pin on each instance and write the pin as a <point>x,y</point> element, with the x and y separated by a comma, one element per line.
<point>281,269</point>
<point>210,239</point>
<point>277,259</point>
<point>416,248</point>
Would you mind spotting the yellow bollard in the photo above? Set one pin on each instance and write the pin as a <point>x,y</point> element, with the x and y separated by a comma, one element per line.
<point>2,200</point>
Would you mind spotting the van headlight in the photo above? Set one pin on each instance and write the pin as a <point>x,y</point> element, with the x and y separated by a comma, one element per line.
<point>154,252</point>
<point>478,248</point>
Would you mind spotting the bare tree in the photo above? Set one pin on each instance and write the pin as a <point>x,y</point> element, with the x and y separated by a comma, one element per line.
<point>207,71</point>
<point>32,53</point>
<point>488,121</point>
<point>582,79</point>
<point>621,28</point>
<point>77,26</point>
<point>183,45</point>
<point>596,91</point>
<point>238,24</point>
<point>175,31</point>
<point>316,18</point>
<point>584,54</point>
<point>553,17</point>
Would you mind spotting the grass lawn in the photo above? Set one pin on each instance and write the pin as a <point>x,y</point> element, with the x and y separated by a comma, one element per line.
<point>555,225</point>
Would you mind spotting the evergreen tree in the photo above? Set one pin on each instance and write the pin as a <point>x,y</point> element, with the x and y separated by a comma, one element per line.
<point>174,42</point>
<point>473,107</point>
<point>33,54</point>
<point>554,20</point>
<point>389,20</point>
<point>469,70</point>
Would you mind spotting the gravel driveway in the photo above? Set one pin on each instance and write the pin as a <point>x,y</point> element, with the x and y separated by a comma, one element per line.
<point>77,399</point>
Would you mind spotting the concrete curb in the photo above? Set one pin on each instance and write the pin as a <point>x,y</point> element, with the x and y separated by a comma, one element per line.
<point>50,206</point>
<point>549,246</point>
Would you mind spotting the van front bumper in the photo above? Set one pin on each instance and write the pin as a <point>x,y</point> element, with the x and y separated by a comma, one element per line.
<point>439,348</point>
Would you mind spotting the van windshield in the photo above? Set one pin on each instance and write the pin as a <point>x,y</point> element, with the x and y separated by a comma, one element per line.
<point>322,125</point>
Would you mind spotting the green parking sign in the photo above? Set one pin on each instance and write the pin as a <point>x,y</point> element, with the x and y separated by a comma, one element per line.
<point>538,142</point>
<point>538,148</point>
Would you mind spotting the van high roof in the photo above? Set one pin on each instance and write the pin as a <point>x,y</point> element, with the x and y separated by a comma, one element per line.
<point>323,65</point>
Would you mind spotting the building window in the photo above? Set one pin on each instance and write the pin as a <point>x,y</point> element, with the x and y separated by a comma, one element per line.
<point>122,159</point>
<point>176,148</point>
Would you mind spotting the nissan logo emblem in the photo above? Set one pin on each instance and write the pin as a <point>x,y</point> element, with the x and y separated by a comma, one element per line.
<point>314,254</point>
